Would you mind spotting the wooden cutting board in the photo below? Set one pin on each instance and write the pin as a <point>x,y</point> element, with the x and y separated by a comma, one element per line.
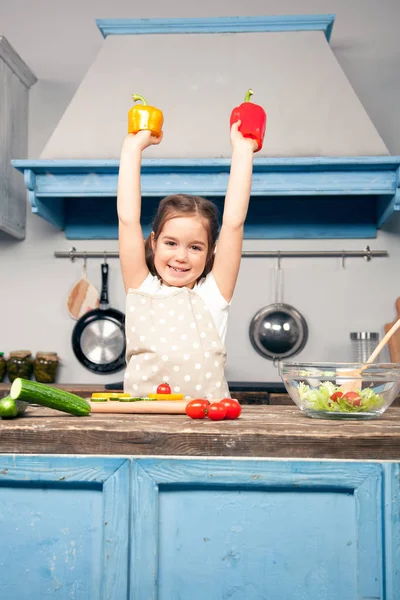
<point>394,342</point>
<point>174,407</point>
<point>83,297</point>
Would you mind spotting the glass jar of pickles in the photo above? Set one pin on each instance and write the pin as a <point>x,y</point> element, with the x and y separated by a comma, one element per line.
<point>45,367</point>
<point>2,366</point>
<point>19,364</point>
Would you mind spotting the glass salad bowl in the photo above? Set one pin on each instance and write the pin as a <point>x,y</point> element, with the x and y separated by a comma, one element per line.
<point>341,390</point>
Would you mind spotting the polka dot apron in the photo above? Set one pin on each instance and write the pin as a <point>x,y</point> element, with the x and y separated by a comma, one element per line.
<point>173,339</point>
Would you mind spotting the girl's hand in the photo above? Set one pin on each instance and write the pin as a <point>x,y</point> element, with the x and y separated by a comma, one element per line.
<point>142,140</point>
<point>239,142</point>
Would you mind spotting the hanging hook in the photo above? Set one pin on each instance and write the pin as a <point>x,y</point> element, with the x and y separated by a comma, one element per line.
<point>105,257</point>
<point>343,257</point>
<point>367,255</point>
<point>72,253</point>
<point>278,279</point>
<point>84,260</point>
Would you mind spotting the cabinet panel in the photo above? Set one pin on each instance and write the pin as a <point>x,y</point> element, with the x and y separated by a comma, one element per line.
<point>15,81</point>
<point>257,529</point>
<point>65,521</point>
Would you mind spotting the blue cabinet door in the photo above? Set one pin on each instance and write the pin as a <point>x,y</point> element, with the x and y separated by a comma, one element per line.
<point>64,527</point>
<point>255,530</point>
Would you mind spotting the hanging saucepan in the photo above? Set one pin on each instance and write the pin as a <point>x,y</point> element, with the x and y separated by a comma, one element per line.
<point>278,330</point>
<point>98,338</point>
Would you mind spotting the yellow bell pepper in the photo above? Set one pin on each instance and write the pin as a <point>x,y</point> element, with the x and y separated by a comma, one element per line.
<point>144,117</point>
<point>110,395</point>
<point>166,396</point>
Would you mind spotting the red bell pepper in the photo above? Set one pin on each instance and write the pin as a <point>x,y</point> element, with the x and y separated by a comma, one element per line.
<point>253,120</point>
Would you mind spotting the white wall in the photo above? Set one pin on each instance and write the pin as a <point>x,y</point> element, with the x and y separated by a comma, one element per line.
<point>59,42</point>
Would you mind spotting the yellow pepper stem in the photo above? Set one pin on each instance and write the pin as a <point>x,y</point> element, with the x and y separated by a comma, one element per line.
<point>137,97</point>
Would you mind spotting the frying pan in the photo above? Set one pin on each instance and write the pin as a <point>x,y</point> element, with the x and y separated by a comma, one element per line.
<point>98,338</point>
<point>278,330</point>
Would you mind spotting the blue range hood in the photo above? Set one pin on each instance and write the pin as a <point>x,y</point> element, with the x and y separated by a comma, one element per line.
<point>292,197</point>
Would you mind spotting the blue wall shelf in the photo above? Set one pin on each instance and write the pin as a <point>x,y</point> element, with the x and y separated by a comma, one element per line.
<point>292,198</point>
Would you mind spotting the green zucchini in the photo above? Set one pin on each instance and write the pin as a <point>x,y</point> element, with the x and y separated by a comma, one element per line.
<point>45,395</point>
<point>9,408</point>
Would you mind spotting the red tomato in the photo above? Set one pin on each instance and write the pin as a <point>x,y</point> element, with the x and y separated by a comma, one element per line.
<point>216,411</point>
<point>336,395</point>
<point>197,409</point>
<point>233,408</point>
<point>353,398</point>
<point>163,388</point>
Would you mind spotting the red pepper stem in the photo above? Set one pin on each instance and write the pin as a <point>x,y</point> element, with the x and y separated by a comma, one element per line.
<point>248,95</point>
<point>136,97</point>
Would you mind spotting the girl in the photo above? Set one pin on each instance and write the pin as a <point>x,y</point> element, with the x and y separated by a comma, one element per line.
<point>179,284</point>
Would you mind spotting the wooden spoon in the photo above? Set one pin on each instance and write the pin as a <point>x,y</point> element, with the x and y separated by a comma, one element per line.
<point>353,386</point>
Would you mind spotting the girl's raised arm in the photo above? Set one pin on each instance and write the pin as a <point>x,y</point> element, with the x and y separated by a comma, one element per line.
<point>131,243</point>
<point>229,245</point>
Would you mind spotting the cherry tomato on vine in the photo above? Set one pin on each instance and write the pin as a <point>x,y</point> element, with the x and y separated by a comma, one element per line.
<point>197,409</point>
<point>216,411</point>
<point>163,388</point>
<point>233,408</point>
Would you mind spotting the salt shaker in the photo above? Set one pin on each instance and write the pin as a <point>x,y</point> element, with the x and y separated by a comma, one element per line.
<point>363,344</point>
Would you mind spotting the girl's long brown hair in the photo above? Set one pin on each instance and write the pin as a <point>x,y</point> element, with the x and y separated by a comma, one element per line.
<point>183,205</point>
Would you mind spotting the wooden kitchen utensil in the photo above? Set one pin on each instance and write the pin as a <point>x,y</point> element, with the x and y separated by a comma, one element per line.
<point>394,342</point>
<point>173,407</point>
<point>354,385</point>
<point>82,297</point>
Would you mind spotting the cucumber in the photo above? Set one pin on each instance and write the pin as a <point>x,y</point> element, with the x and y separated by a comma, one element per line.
<point>133,399</point>
<point>9,408</point>
<point>40,393</point>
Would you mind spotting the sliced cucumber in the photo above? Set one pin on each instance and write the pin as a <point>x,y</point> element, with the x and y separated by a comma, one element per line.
<point>8,408</point>
<point>40,393</point>
<point>133,399</point>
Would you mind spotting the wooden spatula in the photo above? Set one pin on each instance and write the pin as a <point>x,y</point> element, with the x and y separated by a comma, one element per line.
<point>394,342</point>
<point>354,385</point>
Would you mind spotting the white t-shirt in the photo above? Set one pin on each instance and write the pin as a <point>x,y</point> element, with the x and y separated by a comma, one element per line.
<point>206,288</point>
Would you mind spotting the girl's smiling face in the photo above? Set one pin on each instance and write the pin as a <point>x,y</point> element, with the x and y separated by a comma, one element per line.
<point>181,250</point>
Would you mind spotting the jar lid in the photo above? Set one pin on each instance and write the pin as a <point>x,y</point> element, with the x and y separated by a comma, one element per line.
<point>21,353</point>
<point>364,335</point>
<point>47,355</point>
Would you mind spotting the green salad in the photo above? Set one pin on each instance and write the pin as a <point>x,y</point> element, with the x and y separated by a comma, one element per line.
<point>332,398</point>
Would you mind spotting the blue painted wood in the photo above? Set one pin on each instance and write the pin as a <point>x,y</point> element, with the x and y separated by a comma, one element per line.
<point>250,24</point>
<point>385,208</point>
<point>391,519</point>
<point>65,522</point>
<point>256,529</point>
<point>295,217</point>
<point>198,528</point>
<point>294,198</point>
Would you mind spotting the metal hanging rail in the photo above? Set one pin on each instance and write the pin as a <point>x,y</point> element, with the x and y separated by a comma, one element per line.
<point>367,254</point>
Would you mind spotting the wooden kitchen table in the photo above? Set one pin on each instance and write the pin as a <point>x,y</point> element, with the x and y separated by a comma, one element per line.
<point>274,505</point>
